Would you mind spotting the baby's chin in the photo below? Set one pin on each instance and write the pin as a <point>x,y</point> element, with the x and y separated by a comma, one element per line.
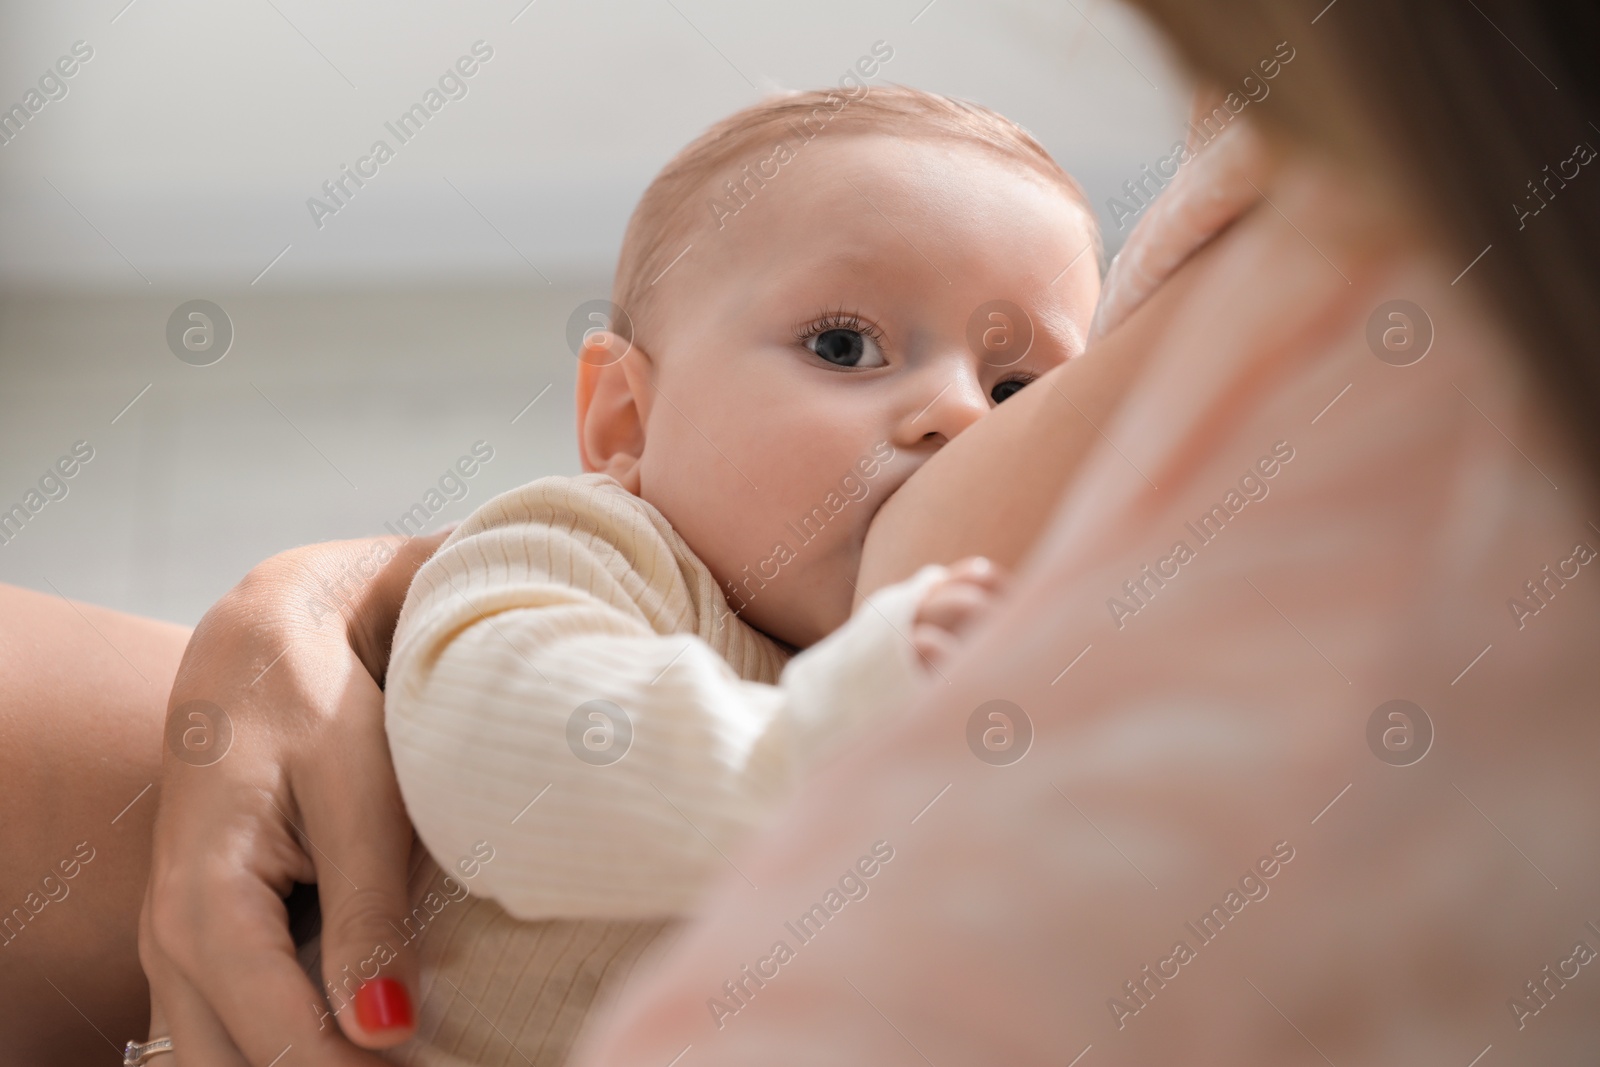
<point>805,608</point>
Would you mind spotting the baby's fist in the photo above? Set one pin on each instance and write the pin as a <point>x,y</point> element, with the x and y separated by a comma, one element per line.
<point>953,606</point>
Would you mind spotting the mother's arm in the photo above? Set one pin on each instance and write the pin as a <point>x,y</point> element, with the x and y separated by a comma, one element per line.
<point>83,693</point>
<point>291,656</point>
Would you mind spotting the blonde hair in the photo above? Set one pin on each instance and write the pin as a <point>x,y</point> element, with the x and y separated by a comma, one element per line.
<point>667,212</point>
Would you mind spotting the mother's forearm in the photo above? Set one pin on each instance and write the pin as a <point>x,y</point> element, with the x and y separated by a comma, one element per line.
<point>83,693</point>
<point>991,491</point>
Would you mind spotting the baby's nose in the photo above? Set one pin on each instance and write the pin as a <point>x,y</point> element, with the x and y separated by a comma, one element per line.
<point>958,403</point>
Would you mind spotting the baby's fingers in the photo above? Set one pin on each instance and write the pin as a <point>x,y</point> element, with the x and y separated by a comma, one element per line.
<point>966,593</point>
<point>979,570</point>
<point>954,606</point>
<point>934,645</point>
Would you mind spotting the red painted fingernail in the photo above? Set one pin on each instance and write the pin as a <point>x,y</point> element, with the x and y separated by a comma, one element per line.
<point>383,1004</point>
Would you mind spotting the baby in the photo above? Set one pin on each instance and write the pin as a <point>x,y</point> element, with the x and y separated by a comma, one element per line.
<point>595,691</point>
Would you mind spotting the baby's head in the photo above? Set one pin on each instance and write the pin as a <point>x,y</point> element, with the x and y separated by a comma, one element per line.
<point>815,296</point>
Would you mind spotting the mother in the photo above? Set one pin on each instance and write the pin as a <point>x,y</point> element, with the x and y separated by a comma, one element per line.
<point>1286,742</point>
<point>1191,738</point>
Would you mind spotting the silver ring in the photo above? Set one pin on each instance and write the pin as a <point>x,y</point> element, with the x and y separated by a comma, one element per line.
<point>134,1053</point>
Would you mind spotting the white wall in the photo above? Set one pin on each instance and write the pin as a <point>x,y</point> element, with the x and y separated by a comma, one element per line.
<point>331,415</point>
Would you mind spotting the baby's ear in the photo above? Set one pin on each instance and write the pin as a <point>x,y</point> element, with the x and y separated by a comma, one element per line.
<point>614,395</point>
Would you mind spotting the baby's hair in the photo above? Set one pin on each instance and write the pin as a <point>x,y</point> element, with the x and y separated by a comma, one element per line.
<point>685,190</point>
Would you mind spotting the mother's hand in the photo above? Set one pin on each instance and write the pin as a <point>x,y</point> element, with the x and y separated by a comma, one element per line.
<point>277,771</point>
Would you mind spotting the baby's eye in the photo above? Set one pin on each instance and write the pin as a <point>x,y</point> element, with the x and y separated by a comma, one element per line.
<point>846,348</point>
<point>1007,388</point>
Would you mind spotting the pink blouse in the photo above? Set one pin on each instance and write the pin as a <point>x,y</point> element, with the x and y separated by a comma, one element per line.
<point>1284,749</point>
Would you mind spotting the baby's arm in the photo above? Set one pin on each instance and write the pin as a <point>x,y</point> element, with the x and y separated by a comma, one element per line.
<point>894,639</point>
<point>508,636</point>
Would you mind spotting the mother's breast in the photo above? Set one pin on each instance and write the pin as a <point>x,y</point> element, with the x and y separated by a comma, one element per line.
<point>992,490</point>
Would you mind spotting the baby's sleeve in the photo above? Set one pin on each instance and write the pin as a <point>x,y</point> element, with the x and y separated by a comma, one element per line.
<point>539,712</point>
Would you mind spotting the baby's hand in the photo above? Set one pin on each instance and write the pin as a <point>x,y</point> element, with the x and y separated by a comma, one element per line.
<point>953,606</point>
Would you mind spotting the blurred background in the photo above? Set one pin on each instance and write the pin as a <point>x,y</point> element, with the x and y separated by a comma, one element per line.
<point>375,346</point>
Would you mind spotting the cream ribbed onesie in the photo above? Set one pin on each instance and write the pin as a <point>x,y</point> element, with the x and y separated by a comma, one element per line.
<point>583,733</point>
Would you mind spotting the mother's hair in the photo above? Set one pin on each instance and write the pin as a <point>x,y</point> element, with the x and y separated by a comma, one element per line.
<point>1461,106</point>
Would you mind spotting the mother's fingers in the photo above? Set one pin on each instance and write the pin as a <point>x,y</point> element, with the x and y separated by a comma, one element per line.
<point>215,940</point>
<point>361,844</point>
<point>1216,184</point>
<point>241,955</point>
<point>198,1036</point>
<point>179,1012</point>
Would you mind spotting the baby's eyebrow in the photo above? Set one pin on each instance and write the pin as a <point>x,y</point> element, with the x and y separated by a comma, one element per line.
<point>863,261</point>
<point>1061,331</point>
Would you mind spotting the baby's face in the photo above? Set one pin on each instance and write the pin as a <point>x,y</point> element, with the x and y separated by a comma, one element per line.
<point>815,350</point>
